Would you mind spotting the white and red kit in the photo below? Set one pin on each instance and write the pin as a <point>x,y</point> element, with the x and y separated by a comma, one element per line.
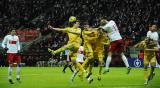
<point>117,42</point>
<point>11,42</point>
<point>80,56</point>
<point>153,36</point>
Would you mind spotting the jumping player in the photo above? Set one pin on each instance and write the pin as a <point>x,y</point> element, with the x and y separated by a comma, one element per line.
<point>99,49</point>
<point>74,42</point>
<point>116,45</point>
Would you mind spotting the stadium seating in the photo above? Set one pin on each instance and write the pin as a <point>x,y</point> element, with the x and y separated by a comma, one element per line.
<point>131,16</point>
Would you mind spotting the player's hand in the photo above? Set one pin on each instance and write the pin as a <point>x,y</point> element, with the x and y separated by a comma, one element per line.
<point>5,49</point>
<point>18,52</point>
<point>49,26</point>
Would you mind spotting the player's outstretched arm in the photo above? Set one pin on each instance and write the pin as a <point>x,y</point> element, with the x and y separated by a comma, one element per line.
<point>155,49</point>
<point>74,32</point>
<point>55,29</point>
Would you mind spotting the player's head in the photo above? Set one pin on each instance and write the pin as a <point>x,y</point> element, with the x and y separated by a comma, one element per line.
<point>149,27</point>
<point>86,26</point>
<point>103,22</point>
<point>72,21</point>
<point>153,27</point>
<point>13,32</point>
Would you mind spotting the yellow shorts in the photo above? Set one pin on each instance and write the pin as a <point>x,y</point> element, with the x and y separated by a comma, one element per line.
<point>98,53</point>
<point>149,57</point>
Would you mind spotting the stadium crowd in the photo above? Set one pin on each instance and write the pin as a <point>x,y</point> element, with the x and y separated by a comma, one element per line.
<point>132,17</point>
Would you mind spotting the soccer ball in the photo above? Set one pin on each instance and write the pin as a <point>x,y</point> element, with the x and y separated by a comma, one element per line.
<point>72,19</point>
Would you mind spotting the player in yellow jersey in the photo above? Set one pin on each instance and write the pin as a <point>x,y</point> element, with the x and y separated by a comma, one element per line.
<point>73,44</point>
<point>150,45</point>
<point>89,38</point>
<point>99,49</point>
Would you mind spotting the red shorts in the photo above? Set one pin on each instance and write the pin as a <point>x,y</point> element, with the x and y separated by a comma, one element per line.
<point>13,57</point>
<point>116,46</point>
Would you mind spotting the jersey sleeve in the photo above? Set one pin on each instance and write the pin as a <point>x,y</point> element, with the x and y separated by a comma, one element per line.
<point>4,42</point>
<point>148,33</point>
<point>65,30</point>
<point>156,36</point>
<point>105,27</point>
<point>18,44</point>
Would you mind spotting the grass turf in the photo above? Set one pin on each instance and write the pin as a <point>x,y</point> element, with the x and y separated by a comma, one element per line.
<point>52,77</point>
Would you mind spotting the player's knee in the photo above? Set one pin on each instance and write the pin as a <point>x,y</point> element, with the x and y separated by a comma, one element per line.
<point>18,65</point>
<point>73,61</point>
<point>145,69</point>
<point>153,64</point>
<point>145,66</point>
<point>109,53</point>
<point>100,62</point>
<point>146,63</point>
<point>90,61</point>
<point>11,65</point>
<point>90,55</point>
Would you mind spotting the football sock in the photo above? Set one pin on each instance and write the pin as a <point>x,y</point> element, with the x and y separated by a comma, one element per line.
<point>18,71</point>
<point>125,60</point>
<point>108,61</point>
<point>9,72</point>
<point>145,74</point>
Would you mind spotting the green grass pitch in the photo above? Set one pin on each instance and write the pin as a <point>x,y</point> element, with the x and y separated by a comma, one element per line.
<point>52,77</point>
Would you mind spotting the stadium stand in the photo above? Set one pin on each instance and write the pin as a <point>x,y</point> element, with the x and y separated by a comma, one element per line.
<point>131,16</point>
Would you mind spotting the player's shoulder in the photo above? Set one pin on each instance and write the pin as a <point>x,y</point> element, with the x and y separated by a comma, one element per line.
<point>111,22</point>
<point>156,32</point>
<point>7,36</point>
<point>16,36</point>
<point>95,29</point>
<point>149,32</point>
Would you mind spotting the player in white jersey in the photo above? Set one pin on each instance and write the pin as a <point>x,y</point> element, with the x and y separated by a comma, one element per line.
<point>80,59</point>
<point>80,56</point>
<point>12,47</point>
<point>117,43</point>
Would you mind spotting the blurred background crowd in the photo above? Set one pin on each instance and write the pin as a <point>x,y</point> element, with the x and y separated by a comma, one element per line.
<point>31,17</point>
